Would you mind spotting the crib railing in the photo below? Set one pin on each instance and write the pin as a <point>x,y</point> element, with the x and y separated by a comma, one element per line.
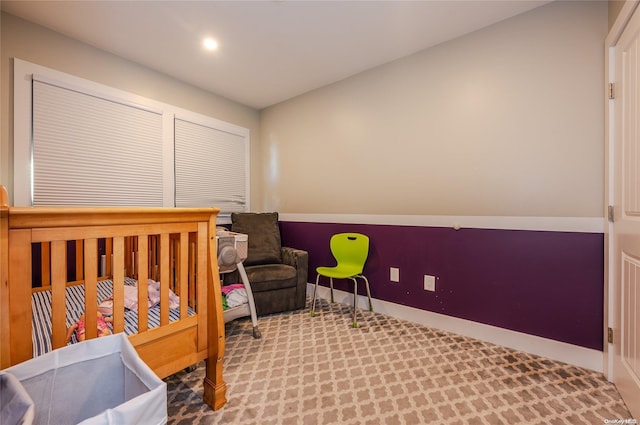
<point>138,252</point>
<point>141,260</point>
<point>171,246</point>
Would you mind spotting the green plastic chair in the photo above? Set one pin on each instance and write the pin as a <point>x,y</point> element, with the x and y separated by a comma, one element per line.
<point>350,251</point>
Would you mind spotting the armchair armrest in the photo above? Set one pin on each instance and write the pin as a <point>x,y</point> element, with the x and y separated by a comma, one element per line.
<point>295,257</point>
<point>300,260</point>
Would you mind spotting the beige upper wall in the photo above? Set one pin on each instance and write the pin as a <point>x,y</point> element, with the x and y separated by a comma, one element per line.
<point>507,121</point>
<point>41,46</point>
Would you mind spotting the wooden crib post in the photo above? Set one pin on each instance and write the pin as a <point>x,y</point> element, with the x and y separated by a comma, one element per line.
<point>15,289</point>
<point>21,345</point>
<point>214,386</point>
<point>4,279</point>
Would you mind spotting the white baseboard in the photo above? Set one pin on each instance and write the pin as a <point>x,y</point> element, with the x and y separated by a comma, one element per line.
<point>551,349</point>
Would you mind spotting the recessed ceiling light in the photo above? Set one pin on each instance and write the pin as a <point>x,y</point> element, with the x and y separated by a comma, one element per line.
<point>210,44</point>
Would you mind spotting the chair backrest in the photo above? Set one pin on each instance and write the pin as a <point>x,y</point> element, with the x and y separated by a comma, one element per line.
<point>350,249</point>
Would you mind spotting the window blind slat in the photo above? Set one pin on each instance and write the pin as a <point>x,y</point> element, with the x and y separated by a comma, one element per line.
<point>92,151</point>
<point>210,167</point>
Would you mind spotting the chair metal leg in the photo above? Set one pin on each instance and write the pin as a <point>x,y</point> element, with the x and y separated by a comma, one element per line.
<point>355,301</point>
<point>252,305</point>
<point>366,282</point>
<point>315,291</point>
<point>331,286</point>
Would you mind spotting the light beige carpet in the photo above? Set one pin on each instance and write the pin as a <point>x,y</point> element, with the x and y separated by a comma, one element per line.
<point>319,370</point>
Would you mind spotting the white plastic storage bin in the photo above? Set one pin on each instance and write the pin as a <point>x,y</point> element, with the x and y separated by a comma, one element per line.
<point>98,381</point>
<point>16,407</point>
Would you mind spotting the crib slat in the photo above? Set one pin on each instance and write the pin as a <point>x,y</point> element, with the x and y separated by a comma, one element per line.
<point>108,251</point>
<point>153,254</point>
<point>130,256</point>
<point>143,278</point>
<point>79,260</point>
<point>90,287</point>
<point>45,262</point>
<point>173,251</point>
<point>183,273</point>
<point>192,273</point>
<point>58,290</point>
<point>164,279</point>
<point>118,284</point>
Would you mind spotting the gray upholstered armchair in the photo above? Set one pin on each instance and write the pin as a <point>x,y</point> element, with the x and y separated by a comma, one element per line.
<point>278,274</point>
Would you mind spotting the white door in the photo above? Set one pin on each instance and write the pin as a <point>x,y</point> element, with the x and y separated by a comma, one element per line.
<point>625,256</point>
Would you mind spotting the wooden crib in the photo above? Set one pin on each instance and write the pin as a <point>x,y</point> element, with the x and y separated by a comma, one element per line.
<point>61,248</point>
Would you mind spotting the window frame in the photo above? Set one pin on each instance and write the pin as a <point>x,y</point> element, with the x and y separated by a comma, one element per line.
<point>23,137</point>
<point>222,127</point>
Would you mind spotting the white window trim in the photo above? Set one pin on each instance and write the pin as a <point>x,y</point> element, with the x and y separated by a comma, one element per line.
<point>22,118</point>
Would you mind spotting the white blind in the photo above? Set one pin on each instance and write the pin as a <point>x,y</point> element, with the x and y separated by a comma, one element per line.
<point>210,167</point>
<point>93,151</point>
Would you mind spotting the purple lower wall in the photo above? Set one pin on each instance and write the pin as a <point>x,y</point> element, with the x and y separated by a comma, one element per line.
<point>543,283</point>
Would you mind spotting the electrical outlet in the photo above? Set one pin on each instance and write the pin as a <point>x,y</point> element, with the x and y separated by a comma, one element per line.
<point>429,283</point>
<point>394,274</point>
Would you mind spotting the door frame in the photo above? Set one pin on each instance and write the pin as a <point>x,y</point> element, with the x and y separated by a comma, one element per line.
<point>611,41</point>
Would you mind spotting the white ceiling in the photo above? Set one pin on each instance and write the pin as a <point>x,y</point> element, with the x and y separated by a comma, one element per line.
<point>269,51</point>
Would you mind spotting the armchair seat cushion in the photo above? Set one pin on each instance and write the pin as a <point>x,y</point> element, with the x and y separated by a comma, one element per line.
<point>268,277</point>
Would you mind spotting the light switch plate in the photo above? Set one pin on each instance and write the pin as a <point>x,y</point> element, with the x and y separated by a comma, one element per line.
<point>429,283</point>
<point>394,274</point>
